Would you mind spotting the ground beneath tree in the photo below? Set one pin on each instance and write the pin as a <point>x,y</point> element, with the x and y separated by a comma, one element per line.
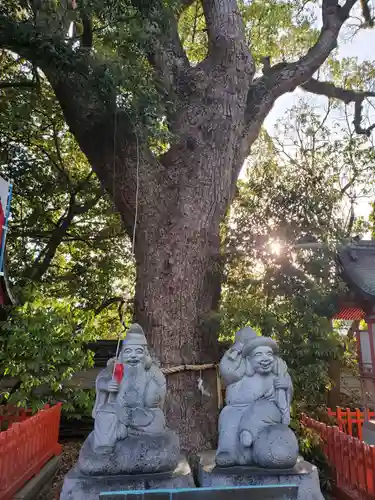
<point>69,457</point>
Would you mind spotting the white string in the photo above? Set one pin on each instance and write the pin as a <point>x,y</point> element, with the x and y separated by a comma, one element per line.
<point>136,204</point>
<point>136,194</point>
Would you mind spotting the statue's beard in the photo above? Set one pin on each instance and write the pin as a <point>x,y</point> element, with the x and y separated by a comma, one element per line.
<point>132,385</point>
<point>134,370</point>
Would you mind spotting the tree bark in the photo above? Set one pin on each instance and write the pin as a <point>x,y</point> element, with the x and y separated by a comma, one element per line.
<point>177,294</point>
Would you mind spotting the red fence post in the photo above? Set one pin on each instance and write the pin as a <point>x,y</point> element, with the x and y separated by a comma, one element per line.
<point>349,421</point>
<point>352,460</point>
<point>26,447</point>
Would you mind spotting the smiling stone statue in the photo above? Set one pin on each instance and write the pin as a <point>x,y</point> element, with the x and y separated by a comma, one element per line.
<point>130,447</point>
<point>130,433</point>
<point>253,426</point>
<point>133,406</point>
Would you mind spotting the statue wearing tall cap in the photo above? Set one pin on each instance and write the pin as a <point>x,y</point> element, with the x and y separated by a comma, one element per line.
<point>133,405</point>
<point>253,426</point>
<point>130,436</point>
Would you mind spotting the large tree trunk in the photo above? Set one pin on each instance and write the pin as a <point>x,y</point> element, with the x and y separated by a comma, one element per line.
<point>178,286</point>
<point>178,243</point>
<point>177,294</point>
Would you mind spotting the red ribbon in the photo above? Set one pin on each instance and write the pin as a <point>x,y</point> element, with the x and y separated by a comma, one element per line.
<point>119,372</point>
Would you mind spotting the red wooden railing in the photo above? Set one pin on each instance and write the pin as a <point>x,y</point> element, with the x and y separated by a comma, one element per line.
<point>350,421</point>
<point>352,461</point>
<point>26,447</point>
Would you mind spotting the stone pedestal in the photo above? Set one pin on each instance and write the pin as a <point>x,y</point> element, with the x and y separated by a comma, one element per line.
<point>79,486</point>
<point>304,475</point>
<point>134,455</point>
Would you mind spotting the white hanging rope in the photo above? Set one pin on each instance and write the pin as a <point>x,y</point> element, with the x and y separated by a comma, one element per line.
<point>136,201</point>
<point>136,194</point>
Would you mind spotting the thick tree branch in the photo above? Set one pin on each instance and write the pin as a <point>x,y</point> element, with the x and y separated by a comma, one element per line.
<point>290,75</point>
<point>44,259</point>
<point>226,39</point>
<point>164,47</point>
<point>86,39</point>
<point>347,96</point>
<point>286,77</point>
<point>86,92</point>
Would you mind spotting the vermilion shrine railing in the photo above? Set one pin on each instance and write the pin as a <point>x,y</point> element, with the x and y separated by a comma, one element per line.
<point>350,421</point>
<point>352,461</point>
<point>25,447</point>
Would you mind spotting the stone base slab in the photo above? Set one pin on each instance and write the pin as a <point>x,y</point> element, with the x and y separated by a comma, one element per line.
<point>304,475</point>
<point>79,486</point>
<point>134,455</point>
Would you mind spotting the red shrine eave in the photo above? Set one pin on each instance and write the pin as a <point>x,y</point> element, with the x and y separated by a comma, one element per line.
<point>350,314</point>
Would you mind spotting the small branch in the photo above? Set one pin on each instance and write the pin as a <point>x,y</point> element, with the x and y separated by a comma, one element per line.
<point>345,95</point>
<point>351,221</point>
<point>21,84</point>
<point>107,303</point>
<point>44,259</point>
<point>186,3</point>
<point>81,209</point>
<point>60,166</point>
<point>358,119</point>
<point>331,91</point>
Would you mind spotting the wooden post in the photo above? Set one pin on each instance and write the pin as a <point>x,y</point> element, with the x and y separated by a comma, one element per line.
<point>334,373</point>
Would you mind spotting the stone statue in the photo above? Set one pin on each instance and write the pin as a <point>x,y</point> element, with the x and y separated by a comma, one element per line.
<point>253,426</point>
<point>130,434</point>
<point>130,447</point>
<point>133,405</point>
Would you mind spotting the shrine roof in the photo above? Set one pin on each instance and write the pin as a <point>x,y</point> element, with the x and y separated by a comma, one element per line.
<point>350,314</point>
<point>357,261</point>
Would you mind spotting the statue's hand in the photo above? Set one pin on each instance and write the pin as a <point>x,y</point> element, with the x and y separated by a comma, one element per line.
<point>236,350</point>
<point>286,419</point>
<point>281,383</point>
<point>112,386</point>
<point>122,432</point>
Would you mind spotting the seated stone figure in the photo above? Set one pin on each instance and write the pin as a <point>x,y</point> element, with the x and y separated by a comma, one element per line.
<point>253,426</point>
<point>133,406</point>
<point>130,433</point>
